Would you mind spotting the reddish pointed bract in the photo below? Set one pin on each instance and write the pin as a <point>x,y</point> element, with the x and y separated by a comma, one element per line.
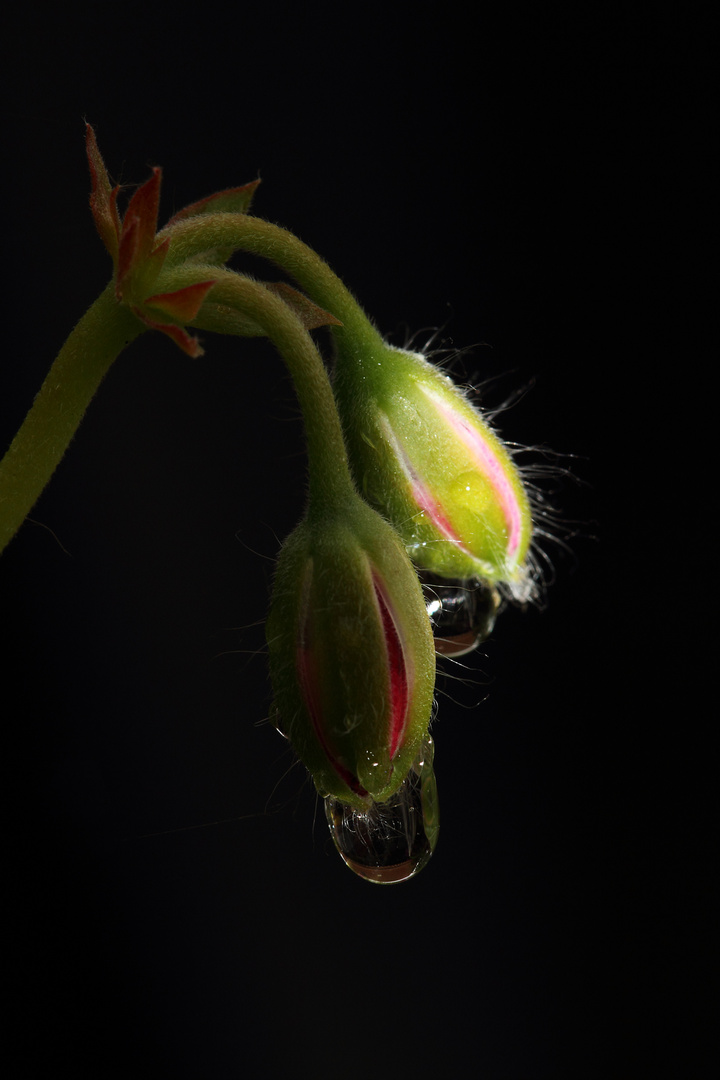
<point>142,214</point>
<point>189,344</point>
<point>137,236</point>
<point>103,197</point>
<point>183,304</point>
<point>231,201</point>
<point>137,255</point>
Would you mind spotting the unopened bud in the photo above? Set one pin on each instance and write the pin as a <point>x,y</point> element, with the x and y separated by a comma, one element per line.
<point>428,460</point>
<point>351,653</point>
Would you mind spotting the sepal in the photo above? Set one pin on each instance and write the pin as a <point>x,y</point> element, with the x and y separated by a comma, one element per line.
<point>235,200</point>
<point>103,197</point>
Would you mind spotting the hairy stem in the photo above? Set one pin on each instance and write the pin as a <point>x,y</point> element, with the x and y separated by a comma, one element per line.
<point>330,481</point>
<point>104,330</point>
<point>229,232</point>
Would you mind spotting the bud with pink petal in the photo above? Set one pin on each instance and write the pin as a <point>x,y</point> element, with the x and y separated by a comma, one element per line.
<point>351,653</point>
<point>425,457</point>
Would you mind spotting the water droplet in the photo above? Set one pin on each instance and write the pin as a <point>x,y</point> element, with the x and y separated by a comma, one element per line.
<point>462,613</point>
<point>390,841</point>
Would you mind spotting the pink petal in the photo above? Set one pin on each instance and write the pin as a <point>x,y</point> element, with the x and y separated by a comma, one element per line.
<point>489,464</point>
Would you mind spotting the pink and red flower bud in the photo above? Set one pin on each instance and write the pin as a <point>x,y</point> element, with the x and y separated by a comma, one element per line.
<point>351,654</point>
<point>426,458</point>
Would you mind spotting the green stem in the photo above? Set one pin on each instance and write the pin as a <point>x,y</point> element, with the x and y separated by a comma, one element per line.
<point>231,232</point>
<point>104,330</point>
<point>330,481</point>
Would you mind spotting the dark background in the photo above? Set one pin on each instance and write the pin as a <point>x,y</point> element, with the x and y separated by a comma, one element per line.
<point>521,183</point>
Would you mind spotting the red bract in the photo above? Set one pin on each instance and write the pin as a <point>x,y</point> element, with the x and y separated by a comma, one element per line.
<point>138,256</point>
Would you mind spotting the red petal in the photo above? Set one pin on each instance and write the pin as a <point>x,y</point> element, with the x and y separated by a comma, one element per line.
<point>103,197</point>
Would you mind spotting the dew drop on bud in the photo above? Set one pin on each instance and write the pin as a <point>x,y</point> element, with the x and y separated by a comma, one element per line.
<point>461,613</point>
<point>390,841</point>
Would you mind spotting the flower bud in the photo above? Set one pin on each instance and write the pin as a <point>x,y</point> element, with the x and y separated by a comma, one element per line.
<point>351,653</point>
<point>427,460</point>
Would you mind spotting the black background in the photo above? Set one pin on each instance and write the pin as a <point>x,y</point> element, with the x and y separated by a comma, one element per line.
<point>521,183</point>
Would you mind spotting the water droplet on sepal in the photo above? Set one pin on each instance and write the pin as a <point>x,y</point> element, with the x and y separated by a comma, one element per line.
<point>462,613</point>
<point>391,841</point>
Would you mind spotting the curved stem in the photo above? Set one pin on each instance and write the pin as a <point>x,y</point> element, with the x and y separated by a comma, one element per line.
<point>231,232</point>
<point>330,480</point>
<point>104,330</point>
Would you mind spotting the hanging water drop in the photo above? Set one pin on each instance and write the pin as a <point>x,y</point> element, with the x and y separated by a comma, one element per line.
<point>461,613</point>
<point>391,841</point>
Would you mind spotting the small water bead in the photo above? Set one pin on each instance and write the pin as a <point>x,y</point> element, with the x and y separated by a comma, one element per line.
<point>391,841</point>
<point>462,613</point>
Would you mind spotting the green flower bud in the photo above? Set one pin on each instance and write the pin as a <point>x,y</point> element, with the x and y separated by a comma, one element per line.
<point>352,658</point>
<point>427,460</point>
